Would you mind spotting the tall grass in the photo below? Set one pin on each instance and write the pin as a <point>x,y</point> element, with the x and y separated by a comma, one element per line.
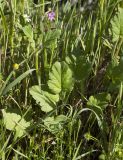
<point>61,80</point>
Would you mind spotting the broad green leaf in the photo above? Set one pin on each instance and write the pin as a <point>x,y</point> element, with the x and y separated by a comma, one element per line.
<point>92,101</point>
<point>28,32</point>
<point>81,69</point>
<point>46,100</point>
<point>67,80</point>
<point>98,102</point>
<point>115,72</point>
<point>61,78</point>
<point>100,99</point>
<point>55,124</point>
<point>102,157</point>
<point>117,25</point>
<point>103,98</point>
<point>15,122</point>
<point>54,82</point>
<point>51,37</point>
<point>93,105</point>
<point>80,66</point>
<point>53,97</point>
<point>16,81</point>
<point>71,61</point>
<point>60,83</point>
<point>60,118</point>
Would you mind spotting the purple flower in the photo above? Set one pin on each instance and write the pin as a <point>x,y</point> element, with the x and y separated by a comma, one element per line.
<point>51,15</point>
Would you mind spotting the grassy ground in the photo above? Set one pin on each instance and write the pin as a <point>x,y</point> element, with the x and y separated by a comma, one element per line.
<point>61,79</point>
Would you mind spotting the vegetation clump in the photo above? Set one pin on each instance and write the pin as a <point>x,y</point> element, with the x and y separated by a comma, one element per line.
<point>61,79</point>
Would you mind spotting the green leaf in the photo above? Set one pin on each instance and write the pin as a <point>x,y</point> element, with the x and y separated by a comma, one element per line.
<point>51,37</point>
<point>16,81</point>
<point>61,78</point>
<point>13,121</point>
<point>60,118</point>
<point>102,157</point>
<point>55,124</point>
<point>81,69</point>
<point>117,73</point>
<point>80,66</point>
<point>60,83</point>
<point>46,100</point>
<point>98,102</point>
<point>117,25</point>
<point>71,61</point>
<point>92,101</point>
<point>100,99</point>
<point>28,32</point>
<point>55,78</point>
<point>53,97</point>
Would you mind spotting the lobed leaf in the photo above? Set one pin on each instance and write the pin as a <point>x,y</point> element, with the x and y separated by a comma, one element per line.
<point>13,121</point>
<point>61,78</point>
<point>46,100</point>
<point>117,25</point>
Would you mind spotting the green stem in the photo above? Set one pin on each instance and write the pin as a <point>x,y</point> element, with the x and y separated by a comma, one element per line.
<point>37,68</point>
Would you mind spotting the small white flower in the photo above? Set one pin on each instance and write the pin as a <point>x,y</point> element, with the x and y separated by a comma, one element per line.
<point>53,142</point>
<point>27,18</point>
